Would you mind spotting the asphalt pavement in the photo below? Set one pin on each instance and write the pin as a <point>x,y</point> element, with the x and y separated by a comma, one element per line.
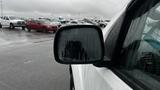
<point>27,62</point>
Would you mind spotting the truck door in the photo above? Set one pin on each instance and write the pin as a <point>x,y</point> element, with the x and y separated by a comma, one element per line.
<point>7,21</point>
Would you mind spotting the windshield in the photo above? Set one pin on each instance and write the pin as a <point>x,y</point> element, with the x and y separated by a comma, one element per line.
<point>13,18</point>
<point>44,21</point>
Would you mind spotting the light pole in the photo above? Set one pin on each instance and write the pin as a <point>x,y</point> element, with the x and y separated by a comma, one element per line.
<point>1,8</point>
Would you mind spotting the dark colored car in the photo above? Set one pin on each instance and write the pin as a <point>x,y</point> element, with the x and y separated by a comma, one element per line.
<point>41,25</point>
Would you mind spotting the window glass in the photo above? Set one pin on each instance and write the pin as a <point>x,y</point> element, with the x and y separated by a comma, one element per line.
<point>13,18</point>
<point>6,18</point>
<point>141,49</point>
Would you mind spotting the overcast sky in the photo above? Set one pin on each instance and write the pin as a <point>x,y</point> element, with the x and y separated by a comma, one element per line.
<point>106,8</point>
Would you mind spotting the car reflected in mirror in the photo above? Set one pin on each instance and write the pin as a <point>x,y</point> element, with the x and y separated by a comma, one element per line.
<point>79,44</point>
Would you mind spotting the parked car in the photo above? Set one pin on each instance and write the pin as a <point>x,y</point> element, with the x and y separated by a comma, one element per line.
<point>12,22</point>
<point>41,25</point>
<point>0,23</point>
<point>55,22</point>
<point>123,56</point>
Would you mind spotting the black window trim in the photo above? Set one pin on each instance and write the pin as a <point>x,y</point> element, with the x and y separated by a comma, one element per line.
<point>132,8</point>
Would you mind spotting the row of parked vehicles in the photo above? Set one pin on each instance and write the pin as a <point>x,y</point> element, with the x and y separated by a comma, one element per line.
<point>40,24</point>
<point>30,24</point>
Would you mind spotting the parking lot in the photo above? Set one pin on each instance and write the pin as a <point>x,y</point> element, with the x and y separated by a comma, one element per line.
<point>26,51</point>
<point>27,62</point>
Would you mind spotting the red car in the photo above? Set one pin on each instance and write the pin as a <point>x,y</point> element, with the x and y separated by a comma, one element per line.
<point>41,25</point>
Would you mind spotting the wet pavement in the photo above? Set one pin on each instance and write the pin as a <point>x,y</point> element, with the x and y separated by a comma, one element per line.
<point>8,36</point>
<point>27,62</point>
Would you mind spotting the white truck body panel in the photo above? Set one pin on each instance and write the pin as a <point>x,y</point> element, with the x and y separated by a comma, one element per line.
<point>89,77</point>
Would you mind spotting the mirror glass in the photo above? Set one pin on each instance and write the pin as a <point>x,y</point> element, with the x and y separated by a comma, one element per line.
<point>80,45</point>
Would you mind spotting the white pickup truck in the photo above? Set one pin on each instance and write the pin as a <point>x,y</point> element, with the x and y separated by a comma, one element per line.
<point>125,55</point>
<point>11,22</point>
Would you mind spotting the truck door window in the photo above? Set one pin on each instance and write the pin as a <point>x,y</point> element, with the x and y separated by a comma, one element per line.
<point>7,18</point>
<point>141,49</point>
<point>4,18</point>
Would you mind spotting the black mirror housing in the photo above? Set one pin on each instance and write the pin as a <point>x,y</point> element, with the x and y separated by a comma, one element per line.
<point>79,44</point>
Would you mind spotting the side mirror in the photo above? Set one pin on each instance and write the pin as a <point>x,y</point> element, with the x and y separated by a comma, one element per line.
<point>79,44</point>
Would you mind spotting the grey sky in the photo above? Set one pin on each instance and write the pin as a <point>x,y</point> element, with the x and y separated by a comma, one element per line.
<point>106,8</point>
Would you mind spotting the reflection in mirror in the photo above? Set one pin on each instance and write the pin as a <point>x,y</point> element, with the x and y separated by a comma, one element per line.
<point>77,48</point>
<point>79,45</point>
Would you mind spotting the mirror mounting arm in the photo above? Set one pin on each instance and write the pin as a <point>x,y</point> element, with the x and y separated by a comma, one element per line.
<point>105,63</point>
